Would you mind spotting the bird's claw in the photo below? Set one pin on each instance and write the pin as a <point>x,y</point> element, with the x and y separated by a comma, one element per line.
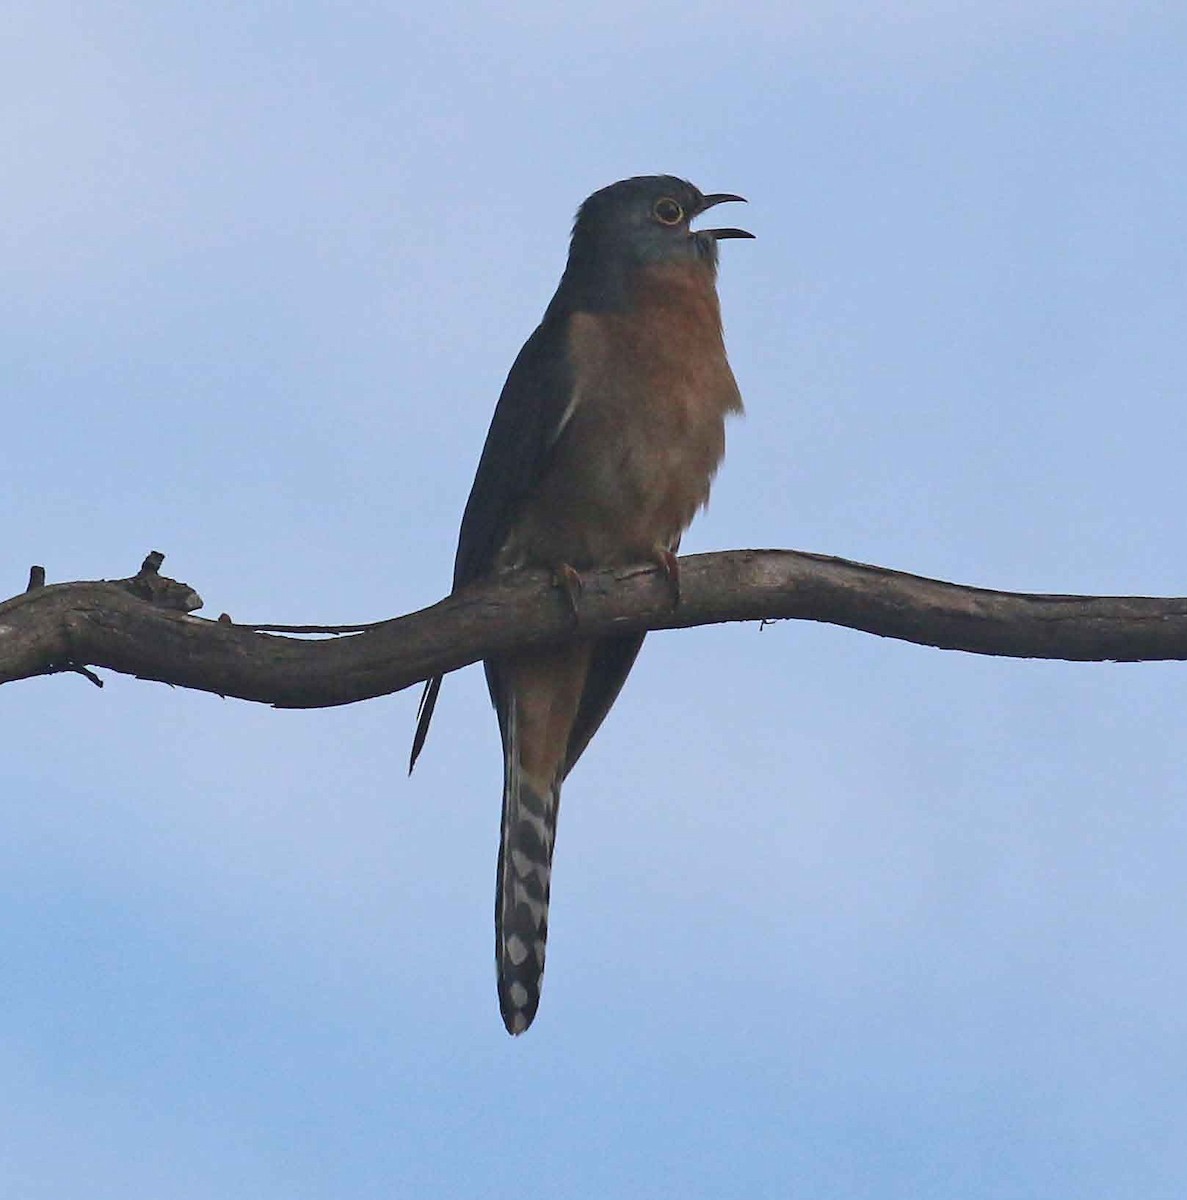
<point>669,564</point>
<point>567,579</point>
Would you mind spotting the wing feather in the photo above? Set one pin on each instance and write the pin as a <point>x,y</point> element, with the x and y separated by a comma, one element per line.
<point>534,407</point>
<point>531,412</point>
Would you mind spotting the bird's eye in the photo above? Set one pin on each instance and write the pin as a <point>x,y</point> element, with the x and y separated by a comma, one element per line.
<point>668,212</point>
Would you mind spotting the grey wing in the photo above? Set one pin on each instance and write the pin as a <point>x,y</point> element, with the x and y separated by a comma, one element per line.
<point>611,664</point>
<point>522,433</point>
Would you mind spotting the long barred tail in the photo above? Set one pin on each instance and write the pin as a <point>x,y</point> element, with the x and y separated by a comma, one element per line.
<point>538,694</point>
<point>521,896</point>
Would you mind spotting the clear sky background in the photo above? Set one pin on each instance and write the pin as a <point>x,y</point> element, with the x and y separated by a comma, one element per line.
<point>834,917</point>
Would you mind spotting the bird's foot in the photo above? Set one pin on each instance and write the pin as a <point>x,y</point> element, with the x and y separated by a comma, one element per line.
<point>669,564</point>
<point>568,581</point>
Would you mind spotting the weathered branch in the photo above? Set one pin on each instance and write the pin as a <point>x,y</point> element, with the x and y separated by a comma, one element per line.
<point>141,626</point>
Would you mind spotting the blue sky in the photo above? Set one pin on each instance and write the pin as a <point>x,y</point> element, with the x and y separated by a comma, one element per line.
<point>833,916</point>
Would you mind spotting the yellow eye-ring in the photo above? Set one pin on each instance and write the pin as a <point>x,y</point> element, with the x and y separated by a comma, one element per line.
<point>667,211</point>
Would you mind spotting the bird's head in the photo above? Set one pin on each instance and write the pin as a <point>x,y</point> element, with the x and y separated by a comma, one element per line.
<point>638,222</point>
<point>648,218</point>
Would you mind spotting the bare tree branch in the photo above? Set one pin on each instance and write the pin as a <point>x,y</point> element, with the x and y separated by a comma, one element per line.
<point>142,626</point>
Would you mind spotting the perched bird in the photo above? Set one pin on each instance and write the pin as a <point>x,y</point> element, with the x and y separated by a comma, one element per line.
<point>607,434</point>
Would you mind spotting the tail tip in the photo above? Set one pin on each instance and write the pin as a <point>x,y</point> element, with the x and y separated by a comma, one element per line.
<point>518,1007</point>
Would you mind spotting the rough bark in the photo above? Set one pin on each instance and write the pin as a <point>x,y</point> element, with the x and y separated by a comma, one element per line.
<point>143,626</point>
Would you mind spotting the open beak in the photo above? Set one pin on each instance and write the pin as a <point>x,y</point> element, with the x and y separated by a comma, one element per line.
<point>708,202</point>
